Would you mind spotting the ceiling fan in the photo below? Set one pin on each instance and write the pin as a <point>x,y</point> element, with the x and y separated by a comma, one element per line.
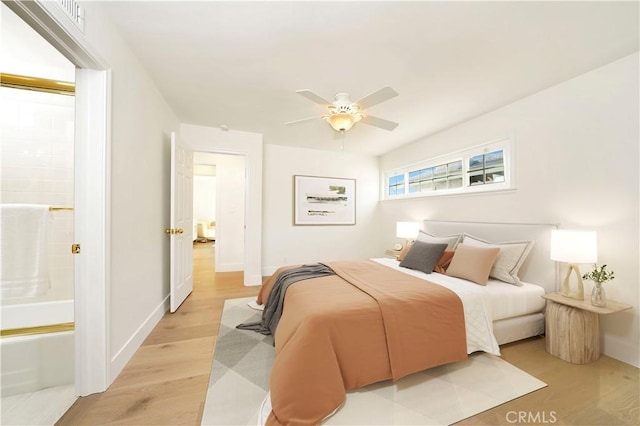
<point>343,113</point>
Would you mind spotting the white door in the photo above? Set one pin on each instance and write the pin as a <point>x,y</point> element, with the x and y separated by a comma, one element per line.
<point>181,229</point>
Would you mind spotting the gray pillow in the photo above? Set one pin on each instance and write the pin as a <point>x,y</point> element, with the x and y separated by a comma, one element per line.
<point>423,256</point>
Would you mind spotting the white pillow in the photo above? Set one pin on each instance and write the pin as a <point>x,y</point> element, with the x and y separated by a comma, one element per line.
<point>450,240</point>
<point>511,257</point>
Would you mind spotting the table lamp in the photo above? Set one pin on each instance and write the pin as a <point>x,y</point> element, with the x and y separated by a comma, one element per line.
<point>407,230</point>
<point>573,247</point>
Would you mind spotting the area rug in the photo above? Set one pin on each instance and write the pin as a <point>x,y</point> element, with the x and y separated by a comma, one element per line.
<point>239,384</point>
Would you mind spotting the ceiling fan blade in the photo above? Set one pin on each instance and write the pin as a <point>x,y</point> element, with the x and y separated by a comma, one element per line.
<point>379,122</point>
<point>377,97</point>
<point>302,120</point>
<point>313,97</point>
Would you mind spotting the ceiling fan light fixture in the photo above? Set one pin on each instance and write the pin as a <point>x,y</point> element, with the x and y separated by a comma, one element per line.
<point>341,122</point>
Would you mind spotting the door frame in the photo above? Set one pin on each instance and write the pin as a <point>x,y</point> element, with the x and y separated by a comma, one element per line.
<point>217,141</point>
<point>92,189</point>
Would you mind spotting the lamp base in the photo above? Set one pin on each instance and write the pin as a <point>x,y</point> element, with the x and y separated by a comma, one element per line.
<point>566,288</point>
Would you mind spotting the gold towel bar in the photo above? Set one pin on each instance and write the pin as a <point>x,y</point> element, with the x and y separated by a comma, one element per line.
<point>56,209</point>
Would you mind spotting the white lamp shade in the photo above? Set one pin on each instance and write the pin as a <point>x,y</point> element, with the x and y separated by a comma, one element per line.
<point>407,230</point>
<point>574,246</point>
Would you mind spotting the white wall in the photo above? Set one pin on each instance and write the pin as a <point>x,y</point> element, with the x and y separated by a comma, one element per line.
<point>577,162</point>
<point>230,212</point>
<point>204,198</point>
<point>25,52</point>
<point>285,243</point>
<point>139,182</point>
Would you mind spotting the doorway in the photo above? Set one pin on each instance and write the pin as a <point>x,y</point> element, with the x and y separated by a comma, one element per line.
<point>37,284</point>
<point>59,27</point>
<point>219,207</point>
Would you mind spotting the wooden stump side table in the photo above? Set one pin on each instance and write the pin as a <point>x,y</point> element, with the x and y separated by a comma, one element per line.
<point>572,327</point>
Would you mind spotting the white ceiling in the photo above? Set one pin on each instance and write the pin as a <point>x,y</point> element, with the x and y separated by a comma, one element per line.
<point>239,63</point>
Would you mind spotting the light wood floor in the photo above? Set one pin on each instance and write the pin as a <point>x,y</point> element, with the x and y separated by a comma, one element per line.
<point>165,382</point>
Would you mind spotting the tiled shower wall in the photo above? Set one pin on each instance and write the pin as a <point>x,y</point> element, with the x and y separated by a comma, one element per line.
<point>36,167</point>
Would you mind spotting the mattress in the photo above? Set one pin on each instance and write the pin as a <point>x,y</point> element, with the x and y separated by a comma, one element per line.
<point>508,301</point>
<point>501,300</point>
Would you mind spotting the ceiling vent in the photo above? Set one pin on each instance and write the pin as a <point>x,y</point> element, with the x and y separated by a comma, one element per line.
<point>73,11</point>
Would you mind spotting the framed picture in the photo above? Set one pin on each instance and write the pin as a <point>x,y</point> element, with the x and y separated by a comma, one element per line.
<point>324,201</point>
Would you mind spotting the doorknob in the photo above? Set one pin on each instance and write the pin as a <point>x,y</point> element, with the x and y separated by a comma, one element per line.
<point>170,231</point>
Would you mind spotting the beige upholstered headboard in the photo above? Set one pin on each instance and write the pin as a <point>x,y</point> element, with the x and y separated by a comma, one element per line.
<point>538,268</point>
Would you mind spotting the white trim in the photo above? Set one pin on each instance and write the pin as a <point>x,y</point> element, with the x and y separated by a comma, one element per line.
<point>92,199</point>
<point>229,267</point>
<point>126,352</point>
<point>92,196</point>
<point>55,26</point>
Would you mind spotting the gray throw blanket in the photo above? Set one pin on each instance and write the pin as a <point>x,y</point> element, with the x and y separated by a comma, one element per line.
<point>275,302</point>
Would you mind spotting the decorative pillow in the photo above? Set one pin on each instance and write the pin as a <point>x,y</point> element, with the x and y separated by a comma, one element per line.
<point>405,250</point>
<point>444,261</point>
<point>423,256</point>
<point>473,263</point>
<point>511,257</point>
<point>450,240</point>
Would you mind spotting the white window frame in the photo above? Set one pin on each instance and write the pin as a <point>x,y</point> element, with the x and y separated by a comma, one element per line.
<point>504,144</point>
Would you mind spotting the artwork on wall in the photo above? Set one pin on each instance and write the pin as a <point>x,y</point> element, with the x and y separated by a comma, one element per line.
<point>324,201</point>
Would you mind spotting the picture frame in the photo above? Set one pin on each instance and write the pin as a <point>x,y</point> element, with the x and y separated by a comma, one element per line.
<point>324,200</point>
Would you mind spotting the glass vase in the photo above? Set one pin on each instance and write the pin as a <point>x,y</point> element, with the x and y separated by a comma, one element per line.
<point>598,295</point>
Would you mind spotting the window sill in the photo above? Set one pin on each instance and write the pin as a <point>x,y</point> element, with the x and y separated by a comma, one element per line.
<point>452,194</point>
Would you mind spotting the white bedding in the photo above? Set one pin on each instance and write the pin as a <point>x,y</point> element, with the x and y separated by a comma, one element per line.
<point>477,317</point>
<point>508,301</point>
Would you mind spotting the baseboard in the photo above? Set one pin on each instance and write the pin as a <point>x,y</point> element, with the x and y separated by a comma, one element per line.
<point>621,350</point>
<point>229,267</point>
<point>125,353</point>
<point>252,280</point>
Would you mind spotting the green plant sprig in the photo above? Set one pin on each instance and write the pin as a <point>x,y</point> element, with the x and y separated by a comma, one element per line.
<point>599,274</point>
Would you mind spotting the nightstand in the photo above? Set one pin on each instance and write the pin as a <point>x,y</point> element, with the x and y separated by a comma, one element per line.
<point>573,327</point>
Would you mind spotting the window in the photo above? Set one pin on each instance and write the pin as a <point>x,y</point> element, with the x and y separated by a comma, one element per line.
<point>396,185</point>
<point>486,168</point>
<point>482,168</point>
<point>442,176</point>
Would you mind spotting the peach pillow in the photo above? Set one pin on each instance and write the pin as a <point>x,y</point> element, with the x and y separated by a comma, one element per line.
<point>473,263</point>
<point>444,262</point>
<point>405,250</point>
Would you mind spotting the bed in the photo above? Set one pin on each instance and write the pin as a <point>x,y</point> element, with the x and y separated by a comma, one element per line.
<point>376,320</point>
<point>539,270</point>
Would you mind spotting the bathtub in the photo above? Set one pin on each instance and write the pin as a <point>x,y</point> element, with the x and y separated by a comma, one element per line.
<point>36,361</point>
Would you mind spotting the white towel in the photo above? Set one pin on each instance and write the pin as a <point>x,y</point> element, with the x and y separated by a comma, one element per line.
<point>24,263</point>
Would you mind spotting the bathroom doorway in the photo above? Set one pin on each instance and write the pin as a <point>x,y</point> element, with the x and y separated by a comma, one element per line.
<point>60,24</point>
<point>37,122</point>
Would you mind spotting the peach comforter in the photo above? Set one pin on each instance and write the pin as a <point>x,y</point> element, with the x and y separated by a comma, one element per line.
<point>365,324</point>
